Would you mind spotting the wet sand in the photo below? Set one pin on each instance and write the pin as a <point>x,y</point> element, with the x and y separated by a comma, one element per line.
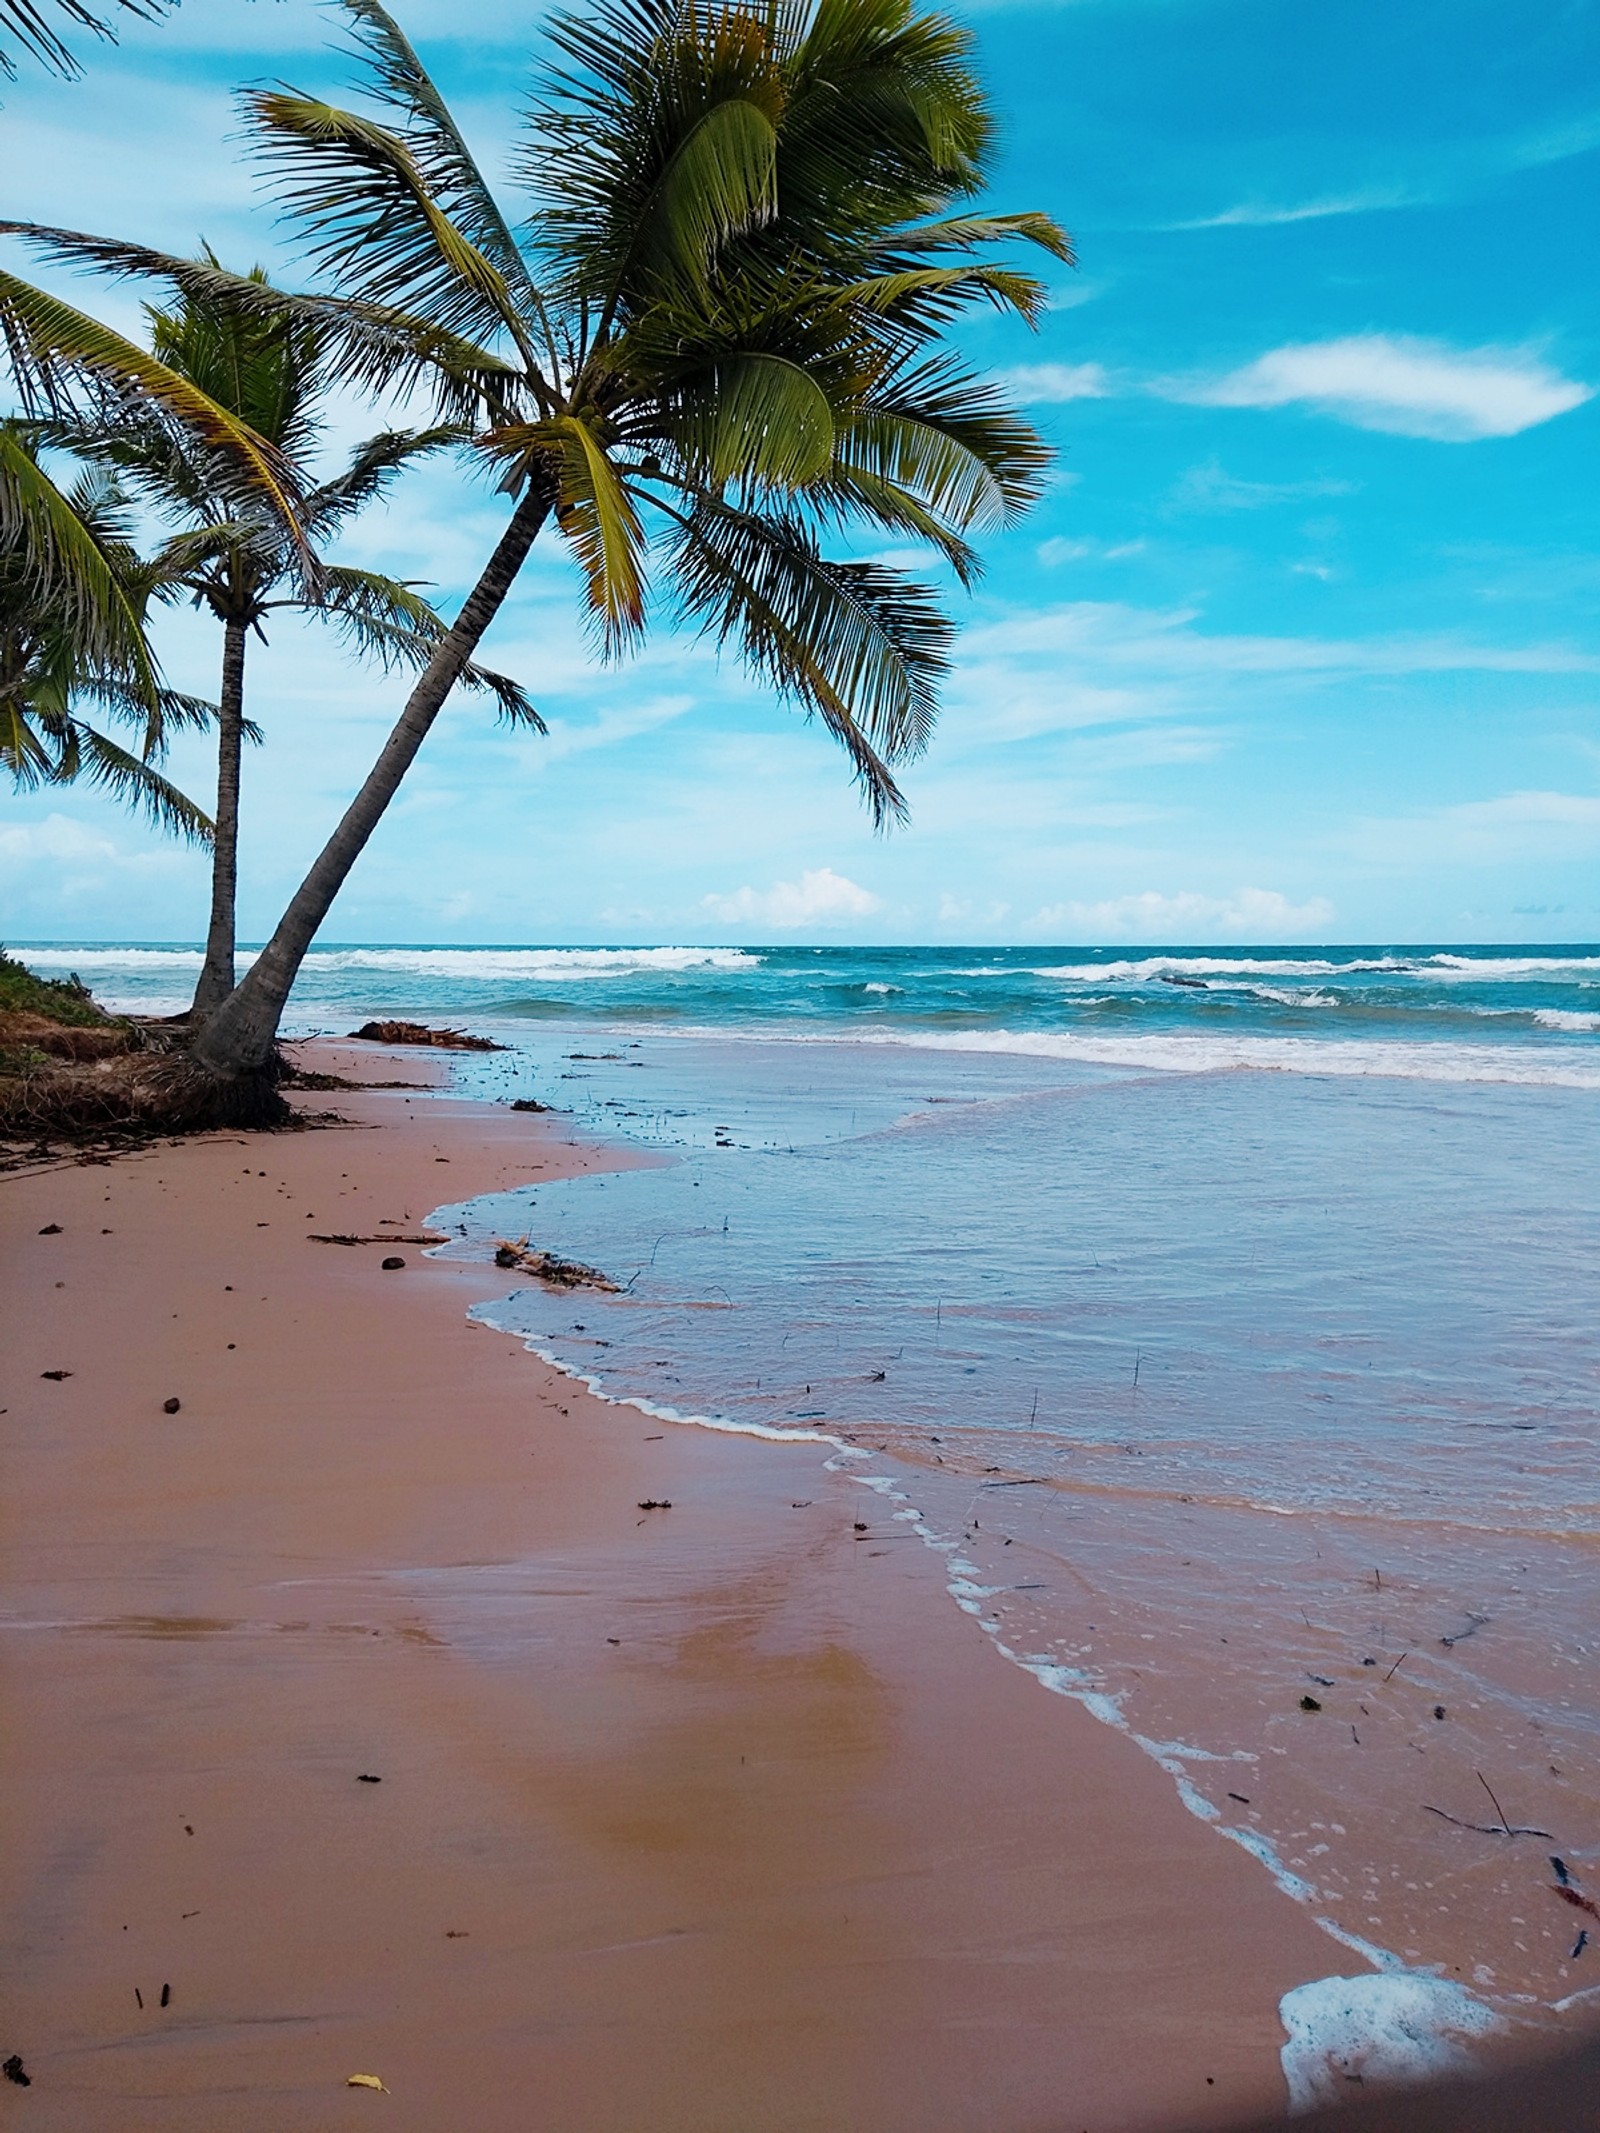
<point>719,1817</point>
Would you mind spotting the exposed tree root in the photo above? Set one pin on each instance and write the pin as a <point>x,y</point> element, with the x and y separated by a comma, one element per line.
<point>131,1095</point>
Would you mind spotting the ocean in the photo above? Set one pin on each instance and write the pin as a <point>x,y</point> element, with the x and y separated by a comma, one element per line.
<point>1227,1317</point>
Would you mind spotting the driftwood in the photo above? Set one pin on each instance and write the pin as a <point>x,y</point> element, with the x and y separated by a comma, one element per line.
<point>546,1266</point>
<point>418,1033</point>
<point>427,1236</point>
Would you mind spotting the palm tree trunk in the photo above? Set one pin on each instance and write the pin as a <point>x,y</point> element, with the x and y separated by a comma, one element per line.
<point>216,976</point>
<point>237,1042</point>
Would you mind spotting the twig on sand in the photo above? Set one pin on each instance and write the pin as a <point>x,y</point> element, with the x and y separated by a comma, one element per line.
<point>1503,1828</point>
<point>1399,1663</point>
<point>1474,1624</point>
<point>427,1236</point>
<point>1488,1829</point>
<point>1489,1789</point>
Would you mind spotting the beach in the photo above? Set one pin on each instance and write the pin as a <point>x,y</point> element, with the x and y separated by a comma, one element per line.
<point>711,1816</point>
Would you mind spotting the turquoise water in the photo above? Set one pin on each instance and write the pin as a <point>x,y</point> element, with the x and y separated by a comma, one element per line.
<point>1536,1012</point>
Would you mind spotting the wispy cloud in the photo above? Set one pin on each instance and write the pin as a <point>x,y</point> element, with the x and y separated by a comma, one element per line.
<point>1211,488</point>
<point>1046,384</point>
<point>1555,144</point>
<point>1527,826</point>
<point>622,722</point>
<point>1167,642</point>
<point>1060,549</point>
<point>1246,915</point>
<point>1410,387</point>
<point>1263,214</point>
<point>819,898</point>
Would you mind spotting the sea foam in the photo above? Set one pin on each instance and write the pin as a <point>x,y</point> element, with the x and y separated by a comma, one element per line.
<point>1392,2030</point>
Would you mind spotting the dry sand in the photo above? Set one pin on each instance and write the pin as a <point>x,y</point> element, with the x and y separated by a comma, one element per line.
<point>719,1817</point>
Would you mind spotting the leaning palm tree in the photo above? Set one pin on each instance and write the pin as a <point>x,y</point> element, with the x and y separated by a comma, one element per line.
<point>236,559</point>
<point>74,596</point>
<point>715,341</point>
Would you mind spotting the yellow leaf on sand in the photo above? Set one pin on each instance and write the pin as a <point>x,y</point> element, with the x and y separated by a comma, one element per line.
<point>364,2081</point>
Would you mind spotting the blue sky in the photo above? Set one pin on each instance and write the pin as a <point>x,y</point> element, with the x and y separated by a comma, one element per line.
<point>1300,646</point>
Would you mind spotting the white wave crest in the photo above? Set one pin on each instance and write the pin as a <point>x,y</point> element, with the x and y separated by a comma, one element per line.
<point>125,959</point>
<point>486,965</point>
<point>1560,1018</point>
<point>1442,966</point>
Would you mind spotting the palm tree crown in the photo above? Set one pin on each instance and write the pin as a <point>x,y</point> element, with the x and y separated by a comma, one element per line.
<point>74,595</point>
<point>238,559</point>
<point>713,343</point>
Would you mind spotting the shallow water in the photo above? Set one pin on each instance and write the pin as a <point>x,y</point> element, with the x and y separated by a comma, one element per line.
<point>1231,1365</point>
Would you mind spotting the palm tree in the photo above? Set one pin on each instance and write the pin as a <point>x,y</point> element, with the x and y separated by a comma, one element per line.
<point>716,342</point>
<point>31,26</point>
<point>240,562</point>
<point>73,600</point>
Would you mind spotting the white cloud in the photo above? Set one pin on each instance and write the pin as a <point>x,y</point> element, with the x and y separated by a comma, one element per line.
<point>1061,550</point>
<point>58,838</point>
<point>1051,383</point>
<point>819,898</point>
<point>1514,826</point>
<point>1210,487</point>
<point>1110,633</point>
<point>1258,214</point>
<point>1412,388</point>
<point>1246,915</point>
<point>620,722</point>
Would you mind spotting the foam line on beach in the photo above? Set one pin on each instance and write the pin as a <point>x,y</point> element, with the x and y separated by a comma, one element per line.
<point>1550,1066</point>
<point>1396,2025</point>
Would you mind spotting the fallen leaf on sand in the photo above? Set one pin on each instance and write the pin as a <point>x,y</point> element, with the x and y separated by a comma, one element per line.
<point>364,2081</point>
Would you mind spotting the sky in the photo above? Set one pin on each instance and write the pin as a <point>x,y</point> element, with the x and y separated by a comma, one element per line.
<point>1301,644</point>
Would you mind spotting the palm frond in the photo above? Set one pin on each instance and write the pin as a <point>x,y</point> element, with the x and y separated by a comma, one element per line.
<point>965,233</point>
<point>61,358</point>
<point>48,542</point>
<point>373,348</point>
<point>952,440</point>
<point>126,777</point>
<point>390,621</point>
<point>37,35</point>
<point>931,296</point>
<point>366,217</point>
<point>849,494</point>
<point>861,646</point>
<point>513,705</point>
<point>596,515</point>
<point>655,144</point>
<point>754,417</point>
<point>396,76</point>
<point>373,465</point>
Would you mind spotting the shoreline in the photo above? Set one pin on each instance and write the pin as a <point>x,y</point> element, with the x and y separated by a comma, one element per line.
<point>740,1867</point>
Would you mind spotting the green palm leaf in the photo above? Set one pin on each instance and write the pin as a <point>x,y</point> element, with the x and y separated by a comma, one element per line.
<point>367,217</point>
<point>66,571</point>
<point>60,356</point>
<point>755,418</point>
<point>597,516</point>
<point>860,645</point>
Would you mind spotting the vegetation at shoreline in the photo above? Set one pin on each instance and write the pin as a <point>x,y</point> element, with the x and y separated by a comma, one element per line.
<point>57,1047</point>
<point>714,339</point>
